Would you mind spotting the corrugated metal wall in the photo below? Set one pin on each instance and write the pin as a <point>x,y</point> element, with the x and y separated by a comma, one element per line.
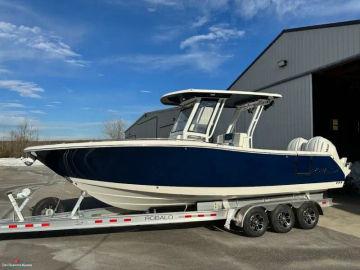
<point>305,51</point>
<point>290,117</point>
<point>155,124</point>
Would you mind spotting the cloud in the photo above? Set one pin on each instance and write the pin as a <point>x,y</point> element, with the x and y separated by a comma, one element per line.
<point>200,21</point>
<point>19,42</point>
<point>208,6</point>
<point>11,120</point>
<point>11,105</point>
<point>25,89</point>
<point>37,112</point>
<point>202,52</point>
<point>201,60</point>
<point>16,7</point>
<point>216,33</point>
<point>167,33</point>
<point>168,3</point>
<point>145,91</point>
<point>53,104</point>
<point>331,8</point>
<point>78,62</point>
<point>305,8</point>
<point>4,71</point>
<point>204,5</point>
<point>112,111</point>
<point>249,8</point>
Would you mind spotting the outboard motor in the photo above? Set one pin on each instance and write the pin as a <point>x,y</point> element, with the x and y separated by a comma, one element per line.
<point>320,144</point>
<point>297,144</point>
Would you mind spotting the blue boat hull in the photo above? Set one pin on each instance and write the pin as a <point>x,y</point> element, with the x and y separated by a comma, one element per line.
<point>190,166</point>
<point>138,177</point>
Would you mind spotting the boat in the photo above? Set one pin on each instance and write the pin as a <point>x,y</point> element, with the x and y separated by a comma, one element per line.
<point>194,165</point>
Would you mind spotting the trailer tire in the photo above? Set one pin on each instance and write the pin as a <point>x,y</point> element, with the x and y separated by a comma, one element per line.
<point>307,216</point>
<point>255,222</point>
<point>282,218</point>
<point>48,206</point>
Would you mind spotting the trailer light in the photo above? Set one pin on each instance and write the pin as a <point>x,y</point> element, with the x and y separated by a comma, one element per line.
<point>98,221</point>
<point>127,219</point>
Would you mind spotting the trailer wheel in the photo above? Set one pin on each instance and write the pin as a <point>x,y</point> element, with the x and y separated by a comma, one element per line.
<point>282,219</point>
<point>307,216</point>
<point>48,207</point>
<point>255,222</point>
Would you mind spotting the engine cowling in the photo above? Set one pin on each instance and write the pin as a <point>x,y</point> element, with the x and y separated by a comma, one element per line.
<point>297,144</point>
<point>320,144</point>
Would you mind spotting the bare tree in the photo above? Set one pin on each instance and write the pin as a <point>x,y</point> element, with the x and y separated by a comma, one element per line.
<point>22,137</point>
<point>115,129</point>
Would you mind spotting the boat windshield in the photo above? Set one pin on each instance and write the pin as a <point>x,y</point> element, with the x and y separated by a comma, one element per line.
<point>202,117</point>
<point>182,119</point>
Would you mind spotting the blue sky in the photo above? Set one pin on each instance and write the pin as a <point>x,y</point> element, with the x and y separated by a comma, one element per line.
<point>68,66</point>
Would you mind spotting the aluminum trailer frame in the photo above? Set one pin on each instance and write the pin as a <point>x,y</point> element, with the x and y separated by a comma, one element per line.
<point>232,210</point>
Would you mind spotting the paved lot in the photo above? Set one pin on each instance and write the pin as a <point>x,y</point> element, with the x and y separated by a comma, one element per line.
<point>334,244</point>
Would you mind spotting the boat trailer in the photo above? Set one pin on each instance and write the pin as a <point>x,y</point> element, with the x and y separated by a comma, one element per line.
<point>236,214</point>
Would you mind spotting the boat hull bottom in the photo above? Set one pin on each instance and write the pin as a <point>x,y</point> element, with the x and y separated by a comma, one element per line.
<point>143,197</point>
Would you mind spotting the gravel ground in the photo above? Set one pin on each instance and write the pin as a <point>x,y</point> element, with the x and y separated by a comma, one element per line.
<point>334,244</point>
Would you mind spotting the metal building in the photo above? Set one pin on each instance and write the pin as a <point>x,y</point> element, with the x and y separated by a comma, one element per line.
<point>317,70</point>
<point>156,124</point>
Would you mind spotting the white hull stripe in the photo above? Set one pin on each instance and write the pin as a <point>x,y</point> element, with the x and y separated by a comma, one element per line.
<point>209,191</point>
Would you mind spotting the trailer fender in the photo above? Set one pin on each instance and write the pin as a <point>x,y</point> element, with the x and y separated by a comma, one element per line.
<point>296,205</point>
<point>242,212</point>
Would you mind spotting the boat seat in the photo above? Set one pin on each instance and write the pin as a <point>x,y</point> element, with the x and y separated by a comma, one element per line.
<point>235,139</point>
<point>225,138</point>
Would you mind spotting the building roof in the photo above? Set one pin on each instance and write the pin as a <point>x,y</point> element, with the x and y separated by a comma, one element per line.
<point>290,30</point>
